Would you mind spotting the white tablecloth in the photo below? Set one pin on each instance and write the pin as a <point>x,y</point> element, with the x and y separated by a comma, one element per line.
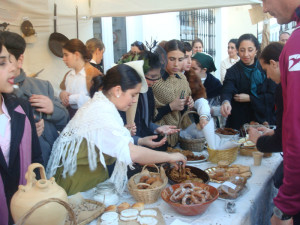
<point>253,207</point>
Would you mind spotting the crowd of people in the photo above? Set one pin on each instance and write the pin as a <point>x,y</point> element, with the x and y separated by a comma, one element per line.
<point>83,136</point>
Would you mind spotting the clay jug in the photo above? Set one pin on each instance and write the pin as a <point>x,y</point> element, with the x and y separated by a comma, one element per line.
<point>35,191</point>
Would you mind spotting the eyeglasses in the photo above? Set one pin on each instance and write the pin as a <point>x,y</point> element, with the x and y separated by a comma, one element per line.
<point>155,79</point>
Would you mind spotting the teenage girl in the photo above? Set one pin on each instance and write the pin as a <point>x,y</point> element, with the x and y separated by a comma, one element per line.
<point>77,82</point>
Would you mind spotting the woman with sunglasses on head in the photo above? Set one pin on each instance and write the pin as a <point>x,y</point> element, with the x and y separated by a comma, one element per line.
<point>19,144</point>
<point>137,47</point>
<point>247,94</point>
<point>172,92</point>
<point>96,135</point>
<point>76,83</point>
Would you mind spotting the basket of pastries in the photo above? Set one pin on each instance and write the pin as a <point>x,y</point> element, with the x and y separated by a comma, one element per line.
<point>146,186</point>
<point>229,154</point>
<point>190,198</point>
<point>193,144</point>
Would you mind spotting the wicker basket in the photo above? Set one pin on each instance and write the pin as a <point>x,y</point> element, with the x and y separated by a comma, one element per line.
<point>194,145</point>
<point>217,155</point>
<point>72,216</point>
<point>147,196</point>
<point>97,213</point>
<point>248,152</point>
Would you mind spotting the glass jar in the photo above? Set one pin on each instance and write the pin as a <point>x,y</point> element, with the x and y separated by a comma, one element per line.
<point>106,193</point>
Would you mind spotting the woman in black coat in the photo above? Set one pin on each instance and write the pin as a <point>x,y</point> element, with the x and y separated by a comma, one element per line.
<point>247,94</point>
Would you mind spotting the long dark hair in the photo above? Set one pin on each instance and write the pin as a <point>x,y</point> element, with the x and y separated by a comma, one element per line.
<point>122,75</point>
<point>75,45</point>
<point>271,52</point>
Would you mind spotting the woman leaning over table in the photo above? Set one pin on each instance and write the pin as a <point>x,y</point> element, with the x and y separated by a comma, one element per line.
<point>247,94</point>
<point>96,136</point>
<point>172,92</point>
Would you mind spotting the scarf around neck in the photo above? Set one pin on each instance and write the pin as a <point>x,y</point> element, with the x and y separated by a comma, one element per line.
<point>255,75</point>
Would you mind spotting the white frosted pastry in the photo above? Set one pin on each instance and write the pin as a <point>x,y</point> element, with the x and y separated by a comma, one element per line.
<point>148,212</point>
<point>129,213</point>
<point>128,218</point>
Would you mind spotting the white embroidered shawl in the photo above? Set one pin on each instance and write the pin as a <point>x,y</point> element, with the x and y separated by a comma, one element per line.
<point>99,122</point>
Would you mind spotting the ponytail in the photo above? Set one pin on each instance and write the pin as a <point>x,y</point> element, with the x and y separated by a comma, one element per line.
<point>97,83</point>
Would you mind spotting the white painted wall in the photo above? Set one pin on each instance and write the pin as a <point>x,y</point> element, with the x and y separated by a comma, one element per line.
<point>231,22</point>
<point>107,38</point>
<point>134,30</point>
<point>162,26</point>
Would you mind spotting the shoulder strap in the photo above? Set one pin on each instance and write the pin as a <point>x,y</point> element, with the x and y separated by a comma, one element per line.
<point>63,83</point>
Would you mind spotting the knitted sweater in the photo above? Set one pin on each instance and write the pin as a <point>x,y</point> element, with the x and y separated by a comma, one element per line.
<point>165,91</point>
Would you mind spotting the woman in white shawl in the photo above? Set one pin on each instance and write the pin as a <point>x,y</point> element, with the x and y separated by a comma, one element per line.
<point>96,136</point>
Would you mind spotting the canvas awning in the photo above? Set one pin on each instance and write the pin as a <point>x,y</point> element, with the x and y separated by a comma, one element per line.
<point>108,8</point>
<point>142,7</point>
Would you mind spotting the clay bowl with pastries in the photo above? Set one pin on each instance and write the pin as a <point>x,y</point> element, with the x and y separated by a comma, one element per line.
<point>189,209</point>
<point>200,174</point>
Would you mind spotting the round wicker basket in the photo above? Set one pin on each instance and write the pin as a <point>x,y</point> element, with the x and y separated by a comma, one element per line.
<point>147,196</point>
<point>194,145</point>
<point>217,155</point>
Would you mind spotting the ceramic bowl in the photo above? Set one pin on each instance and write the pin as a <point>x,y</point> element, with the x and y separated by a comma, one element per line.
<point>189,210</point>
